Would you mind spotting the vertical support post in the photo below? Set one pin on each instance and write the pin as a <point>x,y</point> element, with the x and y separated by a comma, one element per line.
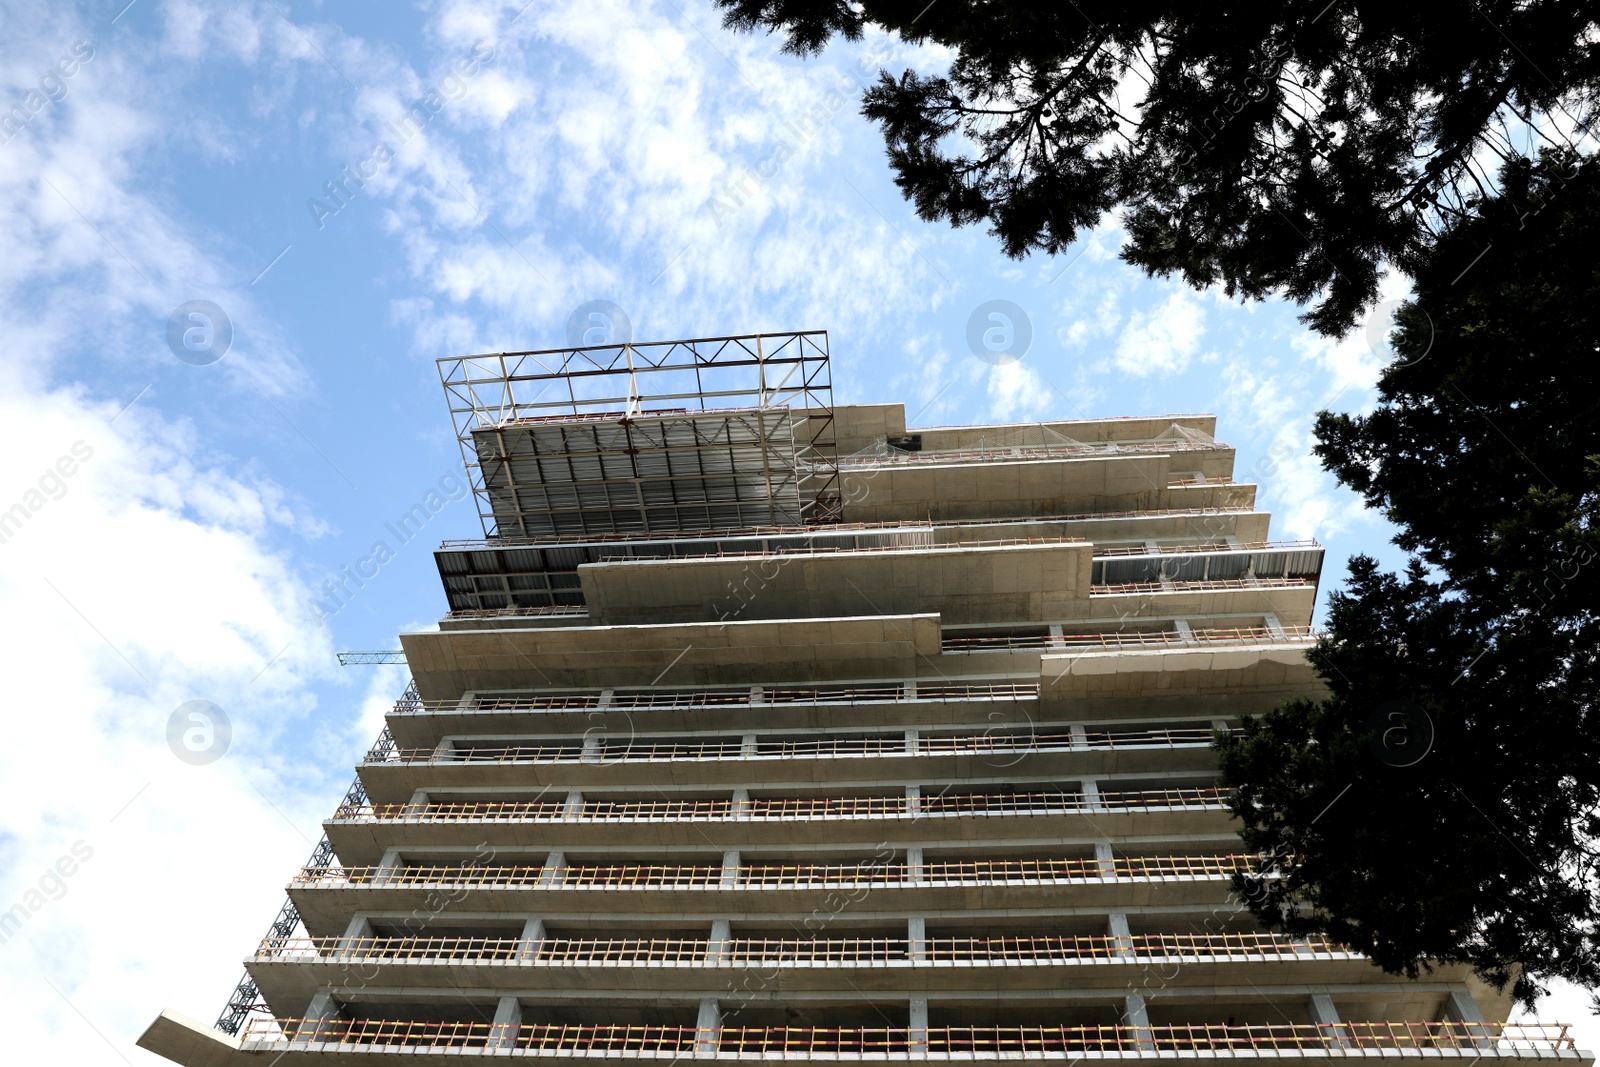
<point>507,1025</point>
<point>741,803</point>
<point>708,1028</point>
<point>1326,1017</point>
<point>747,746</point>
<point>319,1014</point>
<point>417,804</point>
<point>730,870</point>
<point>908,691</point>
<point>917,938</point>
<point>532,938</point>
<point>914,801</point>
<point>389,867</point>
<point>914,863</point>
<point>1182,629</point>
<point>1090,789</point>
<point>1274,627</point>
<point>573,809</point>
<point>913,740</point>
<point>357,930</point>
<point>1459,1007</point>
<point>554,869</point>
<point>591,748</point>
<point>445,749</point>
<point>718,945</point>
<point>1121,936</point>
<point>1080,736</point>
<point>1105,859</point>
<point>1136,1016</point>
<point>1058,636</point>
<point>605,698</point>
<point>919,1026</point>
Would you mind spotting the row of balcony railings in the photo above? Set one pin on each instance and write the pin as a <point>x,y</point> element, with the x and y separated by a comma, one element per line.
<point>1129,639</point>
<point>858,951</point>
<point>1535,1040</point>
<point>753,696</point>
<point>792,809</point>
<point>1000,453</point>
<point>461,544</point>
<point>874,874</point>
<point>606,752</point>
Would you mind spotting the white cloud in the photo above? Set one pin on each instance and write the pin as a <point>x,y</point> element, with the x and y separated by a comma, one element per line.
<point>1162,340</point>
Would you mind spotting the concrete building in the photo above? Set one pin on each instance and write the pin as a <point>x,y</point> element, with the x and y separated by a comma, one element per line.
<point>764,728</point>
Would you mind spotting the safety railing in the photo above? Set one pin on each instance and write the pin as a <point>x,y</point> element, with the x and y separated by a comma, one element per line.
<point>1205,585</point>
<point>1001,453</point>
<point>562,610</point>
<point>1103,552</point>
<point>733,748</point>
<point>1508,1040</point>
<point>786,876</point>
<point>756,696</point>
<point>851,951</point>
<point>792,809</point>
<point>1237,635</point>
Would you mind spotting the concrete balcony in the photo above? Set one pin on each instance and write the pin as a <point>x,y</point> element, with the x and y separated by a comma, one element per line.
<point>341,1042</point>
<point>326,897</point>
<point>289,972</point>
<point>362,834</point>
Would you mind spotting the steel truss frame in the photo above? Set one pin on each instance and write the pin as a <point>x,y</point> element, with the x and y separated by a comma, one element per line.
<point>690,380</point>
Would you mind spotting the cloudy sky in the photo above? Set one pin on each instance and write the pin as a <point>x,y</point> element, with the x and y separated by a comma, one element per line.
<point>190,488</point>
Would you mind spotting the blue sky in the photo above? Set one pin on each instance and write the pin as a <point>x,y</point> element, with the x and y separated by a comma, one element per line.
<point>634,153</point>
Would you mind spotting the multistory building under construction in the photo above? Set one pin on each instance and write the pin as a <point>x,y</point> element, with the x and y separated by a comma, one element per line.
<point>764,728</point>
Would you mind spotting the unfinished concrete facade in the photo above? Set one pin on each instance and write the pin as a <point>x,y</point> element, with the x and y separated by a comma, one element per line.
<point>918,769</point>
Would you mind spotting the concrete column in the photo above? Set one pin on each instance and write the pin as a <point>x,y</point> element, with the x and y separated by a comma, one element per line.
<point>1121,937</point>
<point>909,690</point>
<point>1185,634</point>
<point>1274,627</point>
<point>445,749</point>
<point>1459,1007</point>
<point>389,867</point>
<point>532,937</point>
<point>1091,795</point>
<point>913,739</point>
<point>322,1011</point>
<point>417,804</point>
<point>730,870</point>
<point>757,694</point>
<point>468,700</point>
<point>1104,857</point>
<point>708,1028</point>
<point>1135,1015</point>
<point>719,941</point>
<point>741,803</point>
<point>914,801</point>
<point>573,809</point>
<point>358,929</point>
<point>507,1023</point>
<point>919,1026</point>
<point>1058,636</point>
<point>591,749</point>
<point>1080,736</point>
<point>747,746</point>
<point>605,698</point>
<point>1220,724</point>
<point>914,863</point>
<point>1326,1018</point>
<point>554,870</point>
<point>917,935</point>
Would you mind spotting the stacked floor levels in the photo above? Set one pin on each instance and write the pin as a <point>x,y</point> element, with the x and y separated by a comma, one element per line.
<point>922,774</point>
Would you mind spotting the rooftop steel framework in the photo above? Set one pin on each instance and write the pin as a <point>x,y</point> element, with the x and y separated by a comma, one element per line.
<point>699,433</point>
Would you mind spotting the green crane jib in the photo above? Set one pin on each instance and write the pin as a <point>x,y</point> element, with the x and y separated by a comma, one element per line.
<point>350,659</point>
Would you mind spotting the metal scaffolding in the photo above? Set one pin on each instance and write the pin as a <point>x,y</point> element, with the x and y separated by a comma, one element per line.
<point>675,435</point>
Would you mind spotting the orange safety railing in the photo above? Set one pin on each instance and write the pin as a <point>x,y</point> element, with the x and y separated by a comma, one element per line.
<point>785,876</point>
<point>655,700</point>
<point>1199,585</point>
<point>957,1042</point>
<point>833,747</point>
<point>858,951</point>
<point>1130,639</point>
<point>791,809</point>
